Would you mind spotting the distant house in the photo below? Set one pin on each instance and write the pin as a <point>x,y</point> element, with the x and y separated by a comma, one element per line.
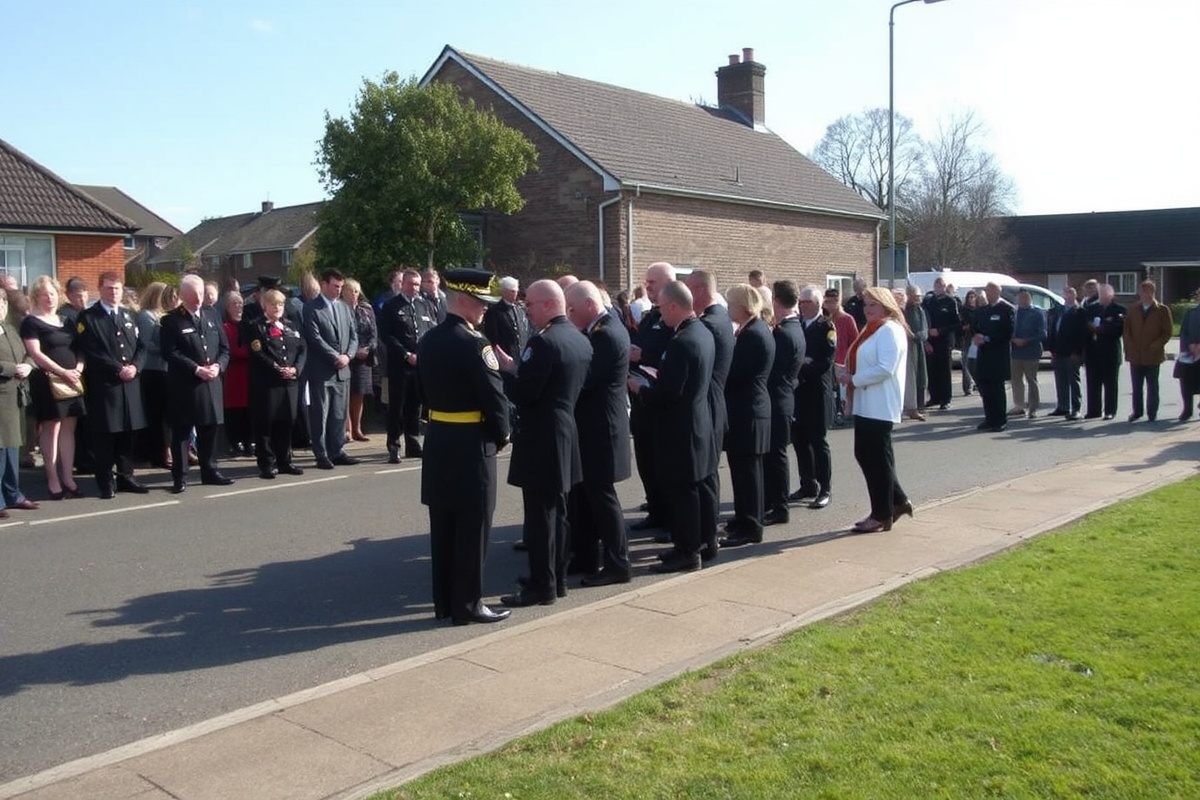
<point>49,227</point>
<point>627,178</point>
<point>1118,247</point>
<point>243,246</point>
<point>153,234</point>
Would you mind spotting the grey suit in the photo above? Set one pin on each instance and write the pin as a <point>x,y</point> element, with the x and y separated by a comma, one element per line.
<point>329,332</point>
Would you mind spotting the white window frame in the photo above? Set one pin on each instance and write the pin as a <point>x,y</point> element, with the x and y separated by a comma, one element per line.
<point>247,260</point>
<point>843,283</point>
<point>1118,281</point>
<point>15,242</point>
<point>287,257</point>
<point>130,242</point>
<point>1057,281</point>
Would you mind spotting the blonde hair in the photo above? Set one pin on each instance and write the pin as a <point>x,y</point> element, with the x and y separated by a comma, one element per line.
<point>40,286</point>
<point>272,296</point>
<point>154,296</point>
<point>887,299</point>
<point>747,298</point>
<point>351,285</point>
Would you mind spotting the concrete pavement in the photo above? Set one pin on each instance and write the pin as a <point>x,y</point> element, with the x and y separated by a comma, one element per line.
<point>376,729</point>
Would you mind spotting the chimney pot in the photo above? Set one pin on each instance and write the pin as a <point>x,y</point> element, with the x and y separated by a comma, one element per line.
<point>734,58</point>
<point>747,54</point>
<point>740,87</point>
<point>268,205</point>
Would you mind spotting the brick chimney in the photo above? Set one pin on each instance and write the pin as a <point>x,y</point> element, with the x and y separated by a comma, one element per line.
<point>267,205</point>
<point>740,87</point>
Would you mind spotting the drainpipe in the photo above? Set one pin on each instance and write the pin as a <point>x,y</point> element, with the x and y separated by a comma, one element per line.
<point>600,224</point>
<point>637,192</point>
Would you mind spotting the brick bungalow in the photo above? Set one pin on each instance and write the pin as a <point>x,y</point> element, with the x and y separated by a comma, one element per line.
<point>49,227</point>
<point>1118,247</point>
<point>153,232</point>
<point>626,178</point>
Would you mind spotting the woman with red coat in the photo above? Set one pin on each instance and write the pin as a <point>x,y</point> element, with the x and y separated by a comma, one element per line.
<point>237,381</point>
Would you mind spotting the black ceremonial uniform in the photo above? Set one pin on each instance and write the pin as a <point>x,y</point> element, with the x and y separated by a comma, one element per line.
<point>594,510</point>
<point>716,320</point>
<point>458,379</point>
<point>993,361</point>
<point>652,336</point>
<point>402,324</point>
<point>190,341</point>
<point>749,434</point>
<point>1102,357</point>
<point>546,462</point>
<point>108,343</point>
<point>944,317</point>
<point>781,387</point>
<point>854,307</point>
<point>273,398</point>
<point>814,395</point>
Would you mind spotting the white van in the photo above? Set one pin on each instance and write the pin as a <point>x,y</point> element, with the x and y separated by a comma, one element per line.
<point>967,280</point>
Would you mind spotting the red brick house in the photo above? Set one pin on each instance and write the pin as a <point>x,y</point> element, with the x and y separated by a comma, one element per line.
<point>153,232</point>
<point>49,227</point>
<point>243,246</point>
<point>626,178</point>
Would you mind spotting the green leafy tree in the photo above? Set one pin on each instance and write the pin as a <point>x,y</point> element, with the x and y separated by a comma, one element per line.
<point>402,167</point>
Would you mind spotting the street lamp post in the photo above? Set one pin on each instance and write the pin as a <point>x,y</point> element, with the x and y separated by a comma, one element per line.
<point>892,135</point>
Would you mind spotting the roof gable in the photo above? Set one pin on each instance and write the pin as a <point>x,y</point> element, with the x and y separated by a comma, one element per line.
<point>278,229</point>
<point>149,223</point>
<point>32,197</point>
<point>643,141</point>
<point>1104,241</point>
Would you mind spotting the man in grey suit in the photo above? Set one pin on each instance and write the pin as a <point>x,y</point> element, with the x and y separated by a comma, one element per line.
<point>330,334</point>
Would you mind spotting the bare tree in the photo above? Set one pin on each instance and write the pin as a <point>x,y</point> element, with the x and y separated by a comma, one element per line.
<point>949,216</point>
<point>854,149</point>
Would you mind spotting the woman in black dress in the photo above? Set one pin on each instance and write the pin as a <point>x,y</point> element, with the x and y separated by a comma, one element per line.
<point>56,385</point>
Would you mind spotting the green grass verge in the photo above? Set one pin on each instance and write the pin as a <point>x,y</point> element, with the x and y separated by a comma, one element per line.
<point>1065,668</point>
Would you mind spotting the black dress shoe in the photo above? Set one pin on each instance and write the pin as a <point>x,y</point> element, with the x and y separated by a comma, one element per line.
<point>646,524</point>
<point>393,457</point>
<point>740,539</point>
<point>1058,412</point>
<point>107,493</point>
<point>678,563</point>
<point>520,547</point>
<point>983,426</point>
<point>483,614</point>
<point>900,509</point>
<point>944,407</point>
<point>776,517</point>
<point>268,474</point>
<point>130,485</point>
<point>291,469</point>
<point>1185,416</point>
<point>1108,417</point>
<point>345,461</point>
<point>441,613</point>
<point>324,463</point>
<point>605,577</point>
<point>216,479</point>
<point>178,487</point>
<point>821,501</point>
<point>1133,417</point>
<point>802,496</point>
<point>1074,416</point>
<point>663,537</point>
<point>560,590</point>
<point>709,552</point>
<point>526,598</point>
<point>1090,415</point>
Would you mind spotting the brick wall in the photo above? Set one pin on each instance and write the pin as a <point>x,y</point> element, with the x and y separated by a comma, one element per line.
<point>84,256</point>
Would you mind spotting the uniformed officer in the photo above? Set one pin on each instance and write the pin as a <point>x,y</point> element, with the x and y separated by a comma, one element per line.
<point>277,355</point>
<point>403,321</point>
<point>545,462</point>
<point>1106,325</point>
<point>197,353</point>
<point>814,403</point>
<point>781,386</point>
<point>114,354</point>
<point>944,324</point>
<point>507,327</point>
<point>458,378</point>
<point>992,333</point>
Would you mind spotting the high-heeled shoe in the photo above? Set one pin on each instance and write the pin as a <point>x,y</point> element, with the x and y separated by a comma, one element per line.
<point>57,495</point>
<point>900,509</point>
<point>871,526</point>
<point>72,492</point>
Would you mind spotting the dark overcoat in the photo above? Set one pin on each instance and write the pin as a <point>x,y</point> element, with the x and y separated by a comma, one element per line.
<point>683,431</point>
<point>189,342</point>
<point>814,387</point>
<point>553,368</point>
<point>273,397</point>
<point>746,395</point>
<point>993,361</point>
<point>107,345</point>
<point>716,319</point>
<point>1104,346</point>
<point>784,376</point>
<point>600,412</point>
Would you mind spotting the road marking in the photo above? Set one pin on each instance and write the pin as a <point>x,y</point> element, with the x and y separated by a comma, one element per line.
<point>10,524</point>
<point>105,513</point>
<point>394,471</point>
<point>276,486</point>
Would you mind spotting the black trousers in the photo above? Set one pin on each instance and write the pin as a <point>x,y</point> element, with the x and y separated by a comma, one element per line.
<point>644,455</point>
<point>938,367</point>
<point>692,515</point>
<point>206,447</point>
<point>995,402</point>
<point>1146,376</point>
<point>1101,380</point>
<point>109,450</point>
<point>597,528</point>
<point>813,459</point>
<point>873,451</point>
<point>237,427</point>
<point>151,441</point>
<point>775,465</point>
<point>746,477</point>
<point>404,407</point>
<point>458,537</point>
<point>546,536</point>
<point>273,441</point>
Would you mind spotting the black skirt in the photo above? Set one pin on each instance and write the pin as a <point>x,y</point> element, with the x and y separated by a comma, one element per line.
<point>1188,376</point>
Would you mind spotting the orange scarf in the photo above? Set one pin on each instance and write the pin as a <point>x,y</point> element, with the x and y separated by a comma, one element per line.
<point>852,358</point>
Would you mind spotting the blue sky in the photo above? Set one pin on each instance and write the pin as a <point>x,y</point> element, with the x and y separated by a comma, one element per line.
<point>207,108</point>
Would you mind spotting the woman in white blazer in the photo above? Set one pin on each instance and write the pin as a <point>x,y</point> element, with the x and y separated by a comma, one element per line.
<point>874,379</point>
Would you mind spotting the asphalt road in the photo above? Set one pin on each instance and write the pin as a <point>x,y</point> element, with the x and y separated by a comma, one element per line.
<point>122,619</point>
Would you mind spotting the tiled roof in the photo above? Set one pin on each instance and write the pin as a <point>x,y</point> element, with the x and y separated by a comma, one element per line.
<point>149,223</point>
<point>278,229</point>
<point>666,145</point>
<point>34,198</point>
<point>1104,241</point>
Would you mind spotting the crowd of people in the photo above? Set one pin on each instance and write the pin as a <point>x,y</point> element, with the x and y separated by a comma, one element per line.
<point>580,383</point>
